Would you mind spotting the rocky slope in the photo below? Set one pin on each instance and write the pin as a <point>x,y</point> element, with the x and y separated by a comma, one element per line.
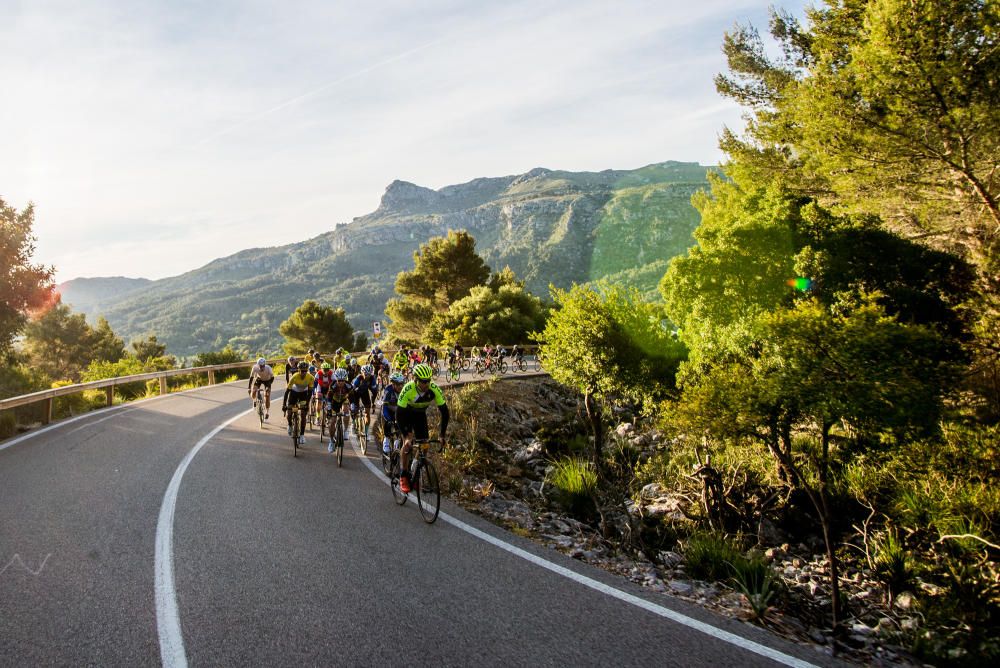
<point>548,226</point>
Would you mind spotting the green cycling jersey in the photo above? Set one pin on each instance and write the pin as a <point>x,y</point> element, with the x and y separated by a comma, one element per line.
<point>412,397</point>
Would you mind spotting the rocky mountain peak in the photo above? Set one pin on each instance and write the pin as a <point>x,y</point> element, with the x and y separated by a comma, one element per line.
<point>406,197</point>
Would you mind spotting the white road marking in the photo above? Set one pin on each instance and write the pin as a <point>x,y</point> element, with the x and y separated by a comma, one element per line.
<point>672,615</point>
<point>168,622</point>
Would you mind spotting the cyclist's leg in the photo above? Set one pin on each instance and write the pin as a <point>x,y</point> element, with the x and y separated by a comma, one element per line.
<point>267,397</point>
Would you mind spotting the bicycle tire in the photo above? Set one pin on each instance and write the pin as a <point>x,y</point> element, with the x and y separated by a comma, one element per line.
<point>363,435</point>
<point>340,443</point>
<point>398,494</point>
<point>428,491</point>
<point>322,424</point>
<point>387,462</point>
<point>295,432</point>
<point>260,408</point>
<point>466,364</point>
<point>502,366</point>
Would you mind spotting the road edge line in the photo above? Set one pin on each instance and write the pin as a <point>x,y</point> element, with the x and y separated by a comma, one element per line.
<point>168,621</point>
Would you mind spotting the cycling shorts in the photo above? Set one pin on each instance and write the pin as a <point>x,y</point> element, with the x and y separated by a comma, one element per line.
<point>265,383</point>
<point>413,421</point>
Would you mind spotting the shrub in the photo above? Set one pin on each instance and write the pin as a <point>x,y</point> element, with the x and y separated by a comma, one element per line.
<point>574,482</point>
<point>892,563</point>
<point>709,555</point>
<point>8,424</point>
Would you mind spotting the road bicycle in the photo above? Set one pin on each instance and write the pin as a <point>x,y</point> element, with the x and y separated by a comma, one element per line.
<point>424,481</point>
<point>454,371</point>
<point>435,369</point>
<point>518,364</point>
<point>325,419</point>
<point>298,414</point>
<point>538,361</point>
<point>337,436</point>
<point>314,411</point>
<point>361,421</point>
<point>259,404</point>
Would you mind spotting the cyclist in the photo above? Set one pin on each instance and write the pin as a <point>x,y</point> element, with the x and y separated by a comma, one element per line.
<point>340,395</point>
<point>353,368</point>
<point>365,388</point>
<point>430,355</point>
<point>299,389</point>
<point>324,379</point>
<point>263,375</point>
<point>290,367</point>
<point>411,416</point>
<point>516,353</point>
<point>400,361</point>
<point>389,398</point>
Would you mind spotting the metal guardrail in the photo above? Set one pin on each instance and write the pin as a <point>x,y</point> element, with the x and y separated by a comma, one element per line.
<point>109,384</point>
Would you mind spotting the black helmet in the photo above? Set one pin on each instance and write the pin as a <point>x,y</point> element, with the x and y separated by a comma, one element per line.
<point>303,365</point>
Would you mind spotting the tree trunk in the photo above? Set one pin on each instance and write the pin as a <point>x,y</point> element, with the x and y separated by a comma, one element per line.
<point>824,513</point>
<point>594,414</point>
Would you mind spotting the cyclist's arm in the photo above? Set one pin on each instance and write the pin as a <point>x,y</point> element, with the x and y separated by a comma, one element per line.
<point>442,406</point>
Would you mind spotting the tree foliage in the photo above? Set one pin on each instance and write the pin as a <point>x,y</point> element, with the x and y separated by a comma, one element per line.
<point>609,346</point>
<point>501,311</point>
<point>148,348</point>
<point>23,285</point>
<point>60,343</point>
<point>312,325</point>
<point>445,270</point>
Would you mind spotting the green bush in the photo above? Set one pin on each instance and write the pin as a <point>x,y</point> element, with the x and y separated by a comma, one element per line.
<point>8,424</point>
<point>894,567</point>
<point>574,482</point>
<point>709,556</point>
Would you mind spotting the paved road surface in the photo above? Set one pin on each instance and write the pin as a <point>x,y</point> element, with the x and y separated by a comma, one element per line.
<point>289,561</point>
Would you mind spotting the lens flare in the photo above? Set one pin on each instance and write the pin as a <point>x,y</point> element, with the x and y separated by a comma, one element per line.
<point>800,283</point>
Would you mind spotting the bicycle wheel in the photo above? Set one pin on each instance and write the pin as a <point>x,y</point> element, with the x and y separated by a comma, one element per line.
<point>260,409</point>
<point>340,443</point>
<point>322,424</point>
<point>428,491</point>
<point>399,495</point>
<point>387,458</point>
<point>453,374</point>
<point>363,434</point>
<point>502,366</point>
<point>295,432</point>
<point>466,364</point>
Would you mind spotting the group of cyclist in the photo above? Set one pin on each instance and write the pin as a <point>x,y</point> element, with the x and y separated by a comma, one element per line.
<point>345,386</point>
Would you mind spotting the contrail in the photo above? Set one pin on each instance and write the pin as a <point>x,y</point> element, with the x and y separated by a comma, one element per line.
<point>319,90</point>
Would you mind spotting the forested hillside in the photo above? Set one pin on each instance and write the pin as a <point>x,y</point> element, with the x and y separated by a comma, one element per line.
<point>548,226</point>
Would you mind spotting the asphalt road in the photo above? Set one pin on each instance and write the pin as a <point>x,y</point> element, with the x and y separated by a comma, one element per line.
<point>293,561</point>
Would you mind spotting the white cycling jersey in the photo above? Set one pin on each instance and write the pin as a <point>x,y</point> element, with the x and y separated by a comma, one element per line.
<point>265,374</point>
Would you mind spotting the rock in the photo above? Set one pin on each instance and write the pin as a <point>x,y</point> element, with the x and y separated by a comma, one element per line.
<point>624,430</point>
<point>534,450</point>
<point>772,553</point>
<point>768,533</point>
<point>861,629</point>
<point>798,563</point>
<point>663,507</point>
<point>905,601</point>
<point>817,637</point>
<point>653,490</point>
<point>670,559</point>
<point>680,587</point>
<point>813,587</point>
<point>909,623</point>
<point>516,512</point>
<point>560,541</point>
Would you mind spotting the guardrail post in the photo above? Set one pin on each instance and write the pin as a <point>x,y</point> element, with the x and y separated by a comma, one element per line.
<point>48,411</point>
<point>211,377</point>
<point>110,391</point>
<point>163,384</point>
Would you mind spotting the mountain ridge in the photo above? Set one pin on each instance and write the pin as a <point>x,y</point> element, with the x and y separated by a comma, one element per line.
<point>549,226</point>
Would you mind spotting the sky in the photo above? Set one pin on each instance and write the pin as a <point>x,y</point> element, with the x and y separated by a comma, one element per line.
<point>156,136</point>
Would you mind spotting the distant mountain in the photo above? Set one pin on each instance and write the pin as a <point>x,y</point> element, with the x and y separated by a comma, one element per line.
<point>548,226</point>
<point>86,294</point>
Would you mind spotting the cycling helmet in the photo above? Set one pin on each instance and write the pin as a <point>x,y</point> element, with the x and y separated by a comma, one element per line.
<point>368,369</point>
<point>423,372</point>
<point>311,351</point>
<point>340,374</point>
<point>261,362</point>
<point>293,360</point>
<point>326,366</point>
<point>303,365</point>
<point>397,378</point>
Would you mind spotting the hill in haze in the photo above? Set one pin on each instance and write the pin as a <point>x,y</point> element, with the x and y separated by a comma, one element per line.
<point>549,226</point>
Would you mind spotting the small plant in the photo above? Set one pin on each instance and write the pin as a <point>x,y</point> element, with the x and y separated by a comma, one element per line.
<point>754,578</point>
<point>708,556</point>
<point>892,564</point>
<point>575,482</point>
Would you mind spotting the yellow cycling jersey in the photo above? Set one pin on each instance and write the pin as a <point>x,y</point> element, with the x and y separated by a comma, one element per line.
<point>301,382</point>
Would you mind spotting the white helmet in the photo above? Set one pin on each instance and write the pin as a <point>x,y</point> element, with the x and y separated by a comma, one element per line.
<point>261,362</point>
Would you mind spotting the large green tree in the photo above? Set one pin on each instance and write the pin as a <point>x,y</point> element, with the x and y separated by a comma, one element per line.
<point>23,285</point>
<point>609,346</point>
<point>59,343</point>
<point>445,270</point>
<point>501,311</point>
<point>313,325</point>
<point>883,106</point>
